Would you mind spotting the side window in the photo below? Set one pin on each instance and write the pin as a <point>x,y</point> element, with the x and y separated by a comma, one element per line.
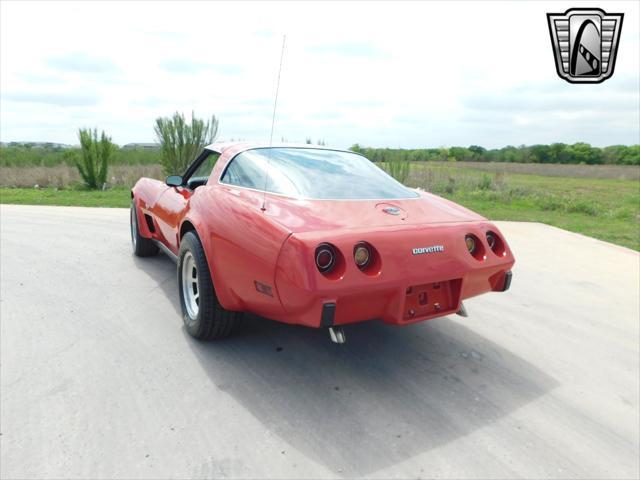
<point>245,170</point>
<point>204,170</point>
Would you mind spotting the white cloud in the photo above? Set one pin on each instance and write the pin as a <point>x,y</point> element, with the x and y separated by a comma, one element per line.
<point>81,62</point>
<point>382,73</point>
<point>62,99</point>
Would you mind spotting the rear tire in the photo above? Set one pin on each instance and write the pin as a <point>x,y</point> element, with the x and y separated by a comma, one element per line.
<point>142,247</point>
<point>203,316</point>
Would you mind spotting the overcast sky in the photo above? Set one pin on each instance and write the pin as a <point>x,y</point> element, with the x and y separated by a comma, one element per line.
<point>380,74</point>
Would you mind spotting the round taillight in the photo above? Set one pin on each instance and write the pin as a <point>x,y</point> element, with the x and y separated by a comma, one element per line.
<point>362,255</point>
<point>325,257</point>
<point>471,244</point>
<point>496,244</point>
<point>491,240</point>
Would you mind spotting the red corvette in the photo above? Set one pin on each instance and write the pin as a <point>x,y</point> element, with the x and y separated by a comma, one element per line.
<point>312,236</point>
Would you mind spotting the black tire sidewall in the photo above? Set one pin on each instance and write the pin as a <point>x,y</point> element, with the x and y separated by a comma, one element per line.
<point>207,300</point>
<point>133,214</point>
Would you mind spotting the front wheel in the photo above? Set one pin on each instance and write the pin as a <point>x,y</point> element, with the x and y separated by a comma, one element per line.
<point>203,316</point>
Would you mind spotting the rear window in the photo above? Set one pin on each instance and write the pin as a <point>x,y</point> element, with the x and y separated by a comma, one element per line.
<point>313,174</point>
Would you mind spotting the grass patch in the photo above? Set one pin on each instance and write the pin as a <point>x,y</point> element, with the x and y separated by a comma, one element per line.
<point>619,172</point>
<point>67,177</point>
<point>119,197</point>
<point>606,209</point>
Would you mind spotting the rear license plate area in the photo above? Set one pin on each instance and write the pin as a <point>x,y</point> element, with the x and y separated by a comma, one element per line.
<point>431,299</point>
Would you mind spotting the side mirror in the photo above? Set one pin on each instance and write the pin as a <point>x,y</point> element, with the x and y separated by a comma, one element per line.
<point>174,180</point>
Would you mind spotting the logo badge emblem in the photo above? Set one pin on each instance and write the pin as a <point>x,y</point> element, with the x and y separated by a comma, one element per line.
<point>431,249</point>
<point>585,43</point>
<point>391,210</point>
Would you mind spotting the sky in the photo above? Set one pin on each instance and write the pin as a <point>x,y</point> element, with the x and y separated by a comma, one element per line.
<point>381,74</point>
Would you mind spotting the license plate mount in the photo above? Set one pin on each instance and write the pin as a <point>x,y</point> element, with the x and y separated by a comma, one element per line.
<point>431,299</point>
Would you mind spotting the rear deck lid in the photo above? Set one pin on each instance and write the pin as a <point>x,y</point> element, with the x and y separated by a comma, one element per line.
<point>310,215</point>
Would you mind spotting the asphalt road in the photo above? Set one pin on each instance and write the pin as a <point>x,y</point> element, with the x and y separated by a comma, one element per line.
<point>100,380</point>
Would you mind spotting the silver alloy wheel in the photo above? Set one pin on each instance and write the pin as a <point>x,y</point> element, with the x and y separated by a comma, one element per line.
<point>134,227</point>
<point>190,291</point>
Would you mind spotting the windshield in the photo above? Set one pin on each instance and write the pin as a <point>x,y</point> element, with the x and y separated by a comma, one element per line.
<point>313,174</point>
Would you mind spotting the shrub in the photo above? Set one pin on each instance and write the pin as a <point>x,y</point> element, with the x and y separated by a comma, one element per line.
<point>94,157</point>
<point>180,142</point>
<point>486,182</point>
<point>399,168</point>
<point>551,202</point>
<point>451,186</point>
<point>588,207</point>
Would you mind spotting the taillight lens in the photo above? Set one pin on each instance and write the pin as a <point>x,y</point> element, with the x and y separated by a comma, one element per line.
<point>325,257</point>
<point>491,240</point>
<point>496,244</point>
<point>471,244</point>
<point>362,255</point>
<point>475,247</point>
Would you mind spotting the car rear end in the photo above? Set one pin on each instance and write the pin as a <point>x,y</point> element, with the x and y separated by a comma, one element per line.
<point>399,274</point>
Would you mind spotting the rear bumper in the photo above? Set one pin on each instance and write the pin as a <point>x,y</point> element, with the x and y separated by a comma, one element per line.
<point>398,305</point>
<point>407,289</point>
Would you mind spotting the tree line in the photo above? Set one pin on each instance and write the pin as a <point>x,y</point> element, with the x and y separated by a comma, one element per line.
<point>578,153</point>
<point>180,140</point>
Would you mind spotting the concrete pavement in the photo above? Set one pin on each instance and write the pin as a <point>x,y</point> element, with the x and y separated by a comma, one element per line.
<point>100,380</point>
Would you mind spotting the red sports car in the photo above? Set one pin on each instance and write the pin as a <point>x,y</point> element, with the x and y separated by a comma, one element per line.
<point>312,236</point>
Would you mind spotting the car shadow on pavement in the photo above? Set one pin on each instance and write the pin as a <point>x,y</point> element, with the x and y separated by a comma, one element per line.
<point>162,269</point>
<point>388,394</point>
<point>385,396</point>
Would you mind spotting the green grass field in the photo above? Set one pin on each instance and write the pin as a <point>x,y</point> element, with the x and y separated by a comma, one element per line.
<point>119,197</point>
<point>607,209</point>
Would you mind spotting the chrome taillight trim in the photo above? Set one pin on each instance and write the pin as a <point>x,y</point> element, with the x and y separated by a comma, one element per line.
<point>330,249</point>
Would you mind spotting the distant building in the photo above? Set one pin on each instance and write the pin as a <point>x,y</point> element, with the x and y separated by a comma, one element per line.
<point>149,146</point>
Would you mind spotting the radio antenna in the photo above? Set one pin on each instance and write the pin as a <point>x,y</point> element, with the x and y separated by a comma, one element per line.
<point>273,122</point>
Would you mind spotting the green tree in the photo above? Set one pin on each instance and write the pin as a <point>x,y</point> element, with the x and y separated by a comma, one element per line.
<point>585,153</point>
<point>541,154</point>
<point>630,155</point>
<point>356,148</point>
<point>443,154</point>
<point>478,152</point>
<point>461,154</point>
<point>95,155</point>
<point>181,141</point>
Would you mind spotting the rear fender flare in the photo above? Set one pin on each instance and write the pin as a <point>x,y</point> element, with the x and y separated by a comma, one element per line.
<point>225,295</point>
